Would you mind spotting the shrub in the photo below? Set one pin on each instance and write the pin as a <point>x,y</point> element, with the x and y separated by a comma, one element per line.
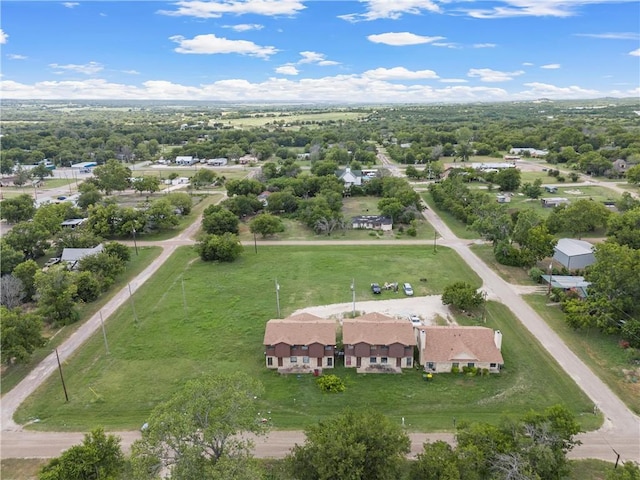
<point>455,369</point>
<point>331,384</point>
<point>412,232</point>
<point>535,274</point>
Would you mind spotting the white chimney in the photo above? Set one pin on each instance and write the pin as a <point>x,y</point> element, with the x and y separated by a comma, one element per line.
<point>497,339</point>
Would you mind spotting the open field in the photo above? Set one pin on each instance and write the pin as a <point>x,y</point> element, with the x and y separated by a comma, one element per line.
<point>218,325</point>
<point>14,374</point>
<point>598,351</point>
<point>351,206</point>
<point>21,468</point>
<point>516,275</point>
<point>263,118</point>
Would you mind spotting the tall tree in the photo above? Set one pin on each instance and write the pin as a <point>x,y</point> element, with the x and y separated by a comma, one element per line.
<point>198,432</point>
<point>266,224</point>
<point>354,445</point>
<point>17,209</point>
<point>30,238</point>
<point>56,291</point>
<point>222,248</point>
<point>218,220</point>
<point>20,335</point>
<point>112,176</point>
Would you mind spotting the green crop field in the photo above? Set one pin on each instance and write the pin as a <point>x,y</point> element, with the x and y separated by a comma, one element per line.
<point>195,317</point>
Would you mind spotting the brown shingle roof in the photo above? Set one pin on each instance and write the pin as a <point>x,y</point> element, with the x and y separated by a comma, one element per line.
<point>377,329</point>
<point>465,344</point>
<point>301,329</point>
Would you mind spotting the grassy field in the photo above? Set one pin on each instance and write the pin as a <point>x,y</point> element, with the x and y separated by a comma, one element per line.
<point>352,206</point>
<point>218,326</point>
<point>599,351</point>
<point>21,468</point>
<point>291,117</point>
<point>12,375</point>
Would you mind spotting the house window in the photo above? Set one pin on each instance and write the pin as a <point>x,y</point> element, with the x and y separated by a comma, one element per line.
<point>305,347</point>
<point>328,347</point>
<point>383,360</point>
<point>293,359</point>
<point>409,361</point>
<point>373,347</point>
<point>329,362</point>
<point>455,364</point>
<point>430,365</point>
<point>492,365</point>
<point>269,361</point>
<point>373,360</point>
<point>305,359</point>
<point>471,364</point>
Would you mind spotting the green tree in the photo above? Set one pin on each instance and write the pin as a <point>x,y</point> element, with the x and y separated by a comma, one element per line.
<point>242,205</point>
<point>56,291</point>
<point>462,296</point>
<point>146,183</point>
<point>627,202</point>
<point>508,179</point>
<point>624,229</point>
<point>244,187</point>
<point>532,190</point>
<point>88,286</point>
<point>182,201</point>
<point>633,175</point>
<point>105,267</point>
<point>266,224</point>
<point>203,178</point>
<point>223,248</point>
<point>282,202</point>
<point>51,215</point>
<point>199,432</point>
<point>98,457</point>
<point>584,216</point>
<point>218,220</point>
<point>17,209</point>
<point>437,461</point>
<point>26,272</point>
<point>89,195</point>
<point>112,176</point>
<point>627,471</point>
<point>21,176</point>
<point>79,237</point>
<point>161,215</point>
<point>118,250</point>
<point>28,237</point>
<point>9,257</point>
<point>354,445</point>
<point>40,171</point>
<point>324,168</point>
<point>20,335</point>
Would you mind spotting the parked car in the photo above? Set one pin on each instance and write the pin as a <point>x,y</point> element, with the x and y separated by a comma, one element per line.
<point>415,320</point>
<point>375,288</point>
<point>52,261</point>
<point>408,289</point>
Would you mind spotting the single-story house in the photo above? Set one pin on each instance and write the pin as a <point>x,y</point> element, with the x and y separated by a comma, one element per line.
<point>443,347</point>
<point>492,167</point>
<point>574,283</point>
<point>376,343</point>
<point>71,256</point>
<point>300,343</point>
<point>217,162</point>
<point>574,254</point>
<point>186,160</point>
<point>372,222</point>
<point>551,202</point>
<point>349,177</point>
<point>73,222</point>
<point>503,198</point>
<point>533,152</point>
<point>246,159</point>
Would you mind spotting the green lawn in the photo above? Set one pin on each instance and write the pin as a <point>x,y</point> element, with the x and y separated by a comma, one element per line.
<point>22,468</point>
<point>218,326</point>
<point>599,351</point>
<point>516,275</point>
<point>11,376</point>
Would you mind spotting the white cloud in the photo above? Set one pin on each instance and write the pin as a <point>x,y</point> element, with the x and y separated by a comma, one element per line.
<point>527,64</point>
<point>131,72</point>
<point>244,27</point>
<point>635,53</point>
<point>13,56</point>
<point>215,9</point>
<point>453,80</point>
<point>70,4</point>
<point>210,44</point>
<point>391,9</point>
<point>3,37</point>
<point>488,75</point>
<point>551,66</point>
<point>402,38</point>
<point>484,45</point>
<point>611,35</point>
<point>317,58</point>
<point>287,70</point>
<point>536,8</point>
<point>399,73</point>
<point>90,68</point>
<point>338,89</point>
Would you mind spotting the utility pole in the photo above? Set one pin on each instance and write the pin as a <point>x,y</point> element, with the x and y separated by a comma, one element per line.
<point>550,278</point>
<point>64,387</point>
<point>135,244</point>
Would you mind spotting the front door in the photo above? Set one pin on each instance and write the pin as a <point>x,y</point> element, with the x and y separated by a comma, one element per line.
<point>358,362</point>
<point>398,362</point>
<point>279,361</point>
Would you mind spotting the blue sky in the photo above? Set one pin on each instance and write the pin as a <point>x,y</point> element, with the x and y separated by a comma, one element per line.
<point>381,51</point>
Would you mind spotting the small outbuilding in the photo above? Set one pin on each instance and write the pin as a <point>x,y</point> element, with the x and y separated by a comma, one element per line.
<point>372,222</point>
<point>574,254</point>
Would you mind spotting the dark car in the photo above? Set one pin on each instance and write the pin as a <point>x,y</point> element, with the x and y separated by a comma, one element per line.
<point>375,288</point>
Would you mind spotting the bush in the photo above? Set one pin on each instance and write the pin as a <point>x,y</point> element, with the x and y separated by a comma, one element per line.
<point>535,274</point>
<point>412,232</point>
<point>331,384</point>
<point>455,369</point>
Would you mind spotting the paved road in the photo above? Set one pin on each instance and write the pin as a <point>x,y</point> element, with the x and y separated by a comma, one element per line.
<point>621,431</point>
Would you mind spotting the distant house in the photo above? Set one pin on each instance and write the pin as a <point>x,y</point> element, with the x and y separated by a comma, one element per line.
<point>442,348</point>
<point>83,166</point>
<point>568,283</point>
<point>349,177</point>
<point>217,162</point>
<point>533,152</point>
<point>71,256</point>
<point>186,161</point>
<point>247,159</point>
<point>492,167</point>
<point>372,222</point>
<point>300,344</point>
<point>574,254</point>
<point>551,202</point>
<point>550,189</point>
<point>264,198</point>
<point>376,343</point>
<point>503,198</point>
<point>73,223</point>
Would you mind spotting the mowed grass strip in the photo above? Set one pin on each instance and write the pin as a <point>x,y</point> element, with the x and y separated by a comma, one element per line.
<point>217,325</point>
<point>599,351</point>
